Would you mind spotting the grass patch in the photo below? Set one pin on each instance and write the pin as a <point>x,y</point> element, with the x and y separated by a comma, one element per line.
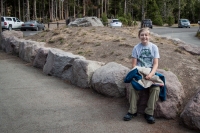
<point>55,33</point>
<point>104,56</point>
<point>98,44</point>
<point>51,41</point>
<point>123,38</point>
<point>178,50</point>
<point>166,69</point>
<point>199,59</point>
<point>116,40</point>
<point>80,52</point>
<point>124,45</point>
<point>198,34</point>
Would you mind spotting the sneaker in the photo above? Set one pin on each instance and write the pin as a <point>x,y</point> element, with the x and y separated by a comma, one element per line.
<point>150,119</point>
<point>129,116</point>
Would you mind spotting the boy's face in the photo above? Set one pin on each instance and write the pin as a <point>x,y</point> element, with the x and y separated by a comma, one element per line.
<point>144,37</point>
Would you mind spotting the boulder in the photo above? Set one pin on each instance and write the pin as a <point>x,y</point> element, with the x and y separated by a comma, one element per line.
<point>59,63</point>
<point>167,109</point>
<point>191,112</point>
<point>28,50</point>
<point>109,79</point>
<point>82,71</point>
<point>8,34</point>
<point>86,21</point>
<point>41,57</point>
<point>175,94</point>
<point>191,49</point>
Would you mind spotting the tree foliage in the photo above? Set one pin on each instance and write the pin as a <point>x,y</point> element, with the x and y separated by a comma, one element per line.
<point>160,11</point>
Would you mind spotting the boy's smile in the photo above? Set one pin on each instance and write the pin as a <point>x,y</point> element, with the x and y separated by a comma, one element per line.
<point>144,37</point>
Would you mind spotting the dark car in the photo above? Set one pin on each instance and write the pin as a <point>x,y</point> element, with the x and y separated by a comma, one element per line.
<point>32,25</point>
<point>147,23</point>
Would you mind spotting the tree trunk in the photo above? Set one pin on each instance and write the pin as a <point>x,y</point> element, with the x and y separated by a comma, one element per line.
<point>52,11</point>
<point>62,17</point>
<point>19,9</point>
<point>83,8</point>
<point>2,13</point>
<point>105,6</point>
<point>98,9</point>
<point>67,9</point>
<point>34,10</point>
<point>101,7</point>
<point>74,8</point>
<point>28,11</point>
<point>124,7</point>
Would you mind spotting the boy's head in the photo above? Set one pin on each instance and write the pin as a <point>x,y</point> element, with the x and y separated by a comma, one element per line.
<point>144,35</point>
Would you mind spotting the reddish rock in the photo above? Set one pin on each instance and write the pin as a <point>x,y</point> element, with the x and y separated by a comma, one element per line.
<point>191,112</point>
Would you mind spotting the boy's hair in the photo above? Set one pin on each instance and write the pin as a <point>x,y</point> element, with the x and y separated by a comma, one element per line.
<point>143,29</point>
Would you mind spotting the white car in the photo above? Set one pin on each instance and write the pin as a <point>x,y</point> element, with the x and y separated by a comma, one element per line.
<point>10,23</point>
<point>115,23</point>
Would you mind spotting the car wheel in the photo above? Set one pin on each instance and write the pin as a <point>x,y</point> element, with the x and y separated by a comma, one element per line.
<point>10,27</point>
<point>37,29</point>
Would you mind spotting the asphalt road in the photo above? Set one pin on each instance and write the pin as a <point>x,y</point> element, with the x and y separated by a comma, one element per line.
<point>32,102</point>
<point>185,34</point>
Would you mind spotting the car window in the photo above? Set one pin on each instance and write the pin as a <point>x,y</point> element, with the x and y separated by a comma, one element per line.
<point>2,19</point>
<point>18,20</point>
<point>184,20</point>
<point>8,19</point>
<point>14,19</point>
<point>115,20</point>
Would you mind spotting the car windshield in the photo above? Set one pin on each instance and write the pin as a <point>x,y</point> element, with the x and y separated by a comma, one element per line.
<point>146,21</point>
<point>184,20</point>
<point>115,20</point>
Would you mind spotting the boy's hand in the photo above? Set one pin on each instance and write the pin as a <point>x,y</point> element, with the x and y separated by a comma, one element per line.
<point>149,76</point>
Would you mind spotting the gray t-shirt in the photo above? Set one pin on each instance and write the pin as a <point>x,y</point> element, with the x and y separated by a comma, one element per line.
<point>145,54</point>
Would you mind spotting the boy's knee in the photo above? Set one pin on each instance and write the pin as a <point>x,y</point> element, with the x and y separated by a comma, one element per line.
<point>155,88</point>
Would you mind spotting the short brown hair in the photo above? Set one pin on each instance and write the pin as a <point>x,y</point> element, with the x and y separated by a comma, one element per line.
<point>143,29</point>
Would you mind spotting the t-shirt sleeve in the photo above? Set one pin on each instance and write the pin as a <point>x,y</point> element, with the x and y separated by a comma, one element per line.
<point>156,52</point>
<point>134,53</point>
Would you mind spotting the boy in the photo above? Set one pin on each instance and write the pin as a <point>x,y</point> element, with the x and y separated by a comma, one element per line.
<point>145,54</point>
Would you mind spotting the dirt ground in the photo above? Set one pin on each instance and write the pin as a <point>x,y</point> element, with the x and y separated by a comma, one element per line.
<point>115,45</point>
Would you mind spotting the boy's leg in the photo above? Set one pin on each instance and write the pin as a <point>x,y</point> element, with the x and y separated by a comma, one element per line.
<point>153,98</point>
<point>133,97</point>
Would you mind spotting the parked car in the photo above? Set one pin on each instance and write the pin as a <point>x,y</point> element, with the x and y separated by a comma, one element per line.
<point>115,23</point>
<point>146,23</point>
<point>32,25</point>
<point>10,23</point>
<point>183,23</point>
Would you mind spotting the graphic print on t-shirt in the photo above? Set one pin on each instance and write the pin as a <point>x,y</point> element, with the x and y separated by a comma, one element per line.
<point>145,58</point>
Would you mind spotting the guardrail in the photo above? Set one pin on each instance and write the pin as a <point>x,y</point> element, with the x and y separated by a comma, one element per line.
<point>55,23</point>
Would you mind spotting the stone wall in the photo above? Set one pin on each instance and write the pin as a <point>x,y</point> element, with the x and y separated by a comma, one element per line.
<point>106,79</point>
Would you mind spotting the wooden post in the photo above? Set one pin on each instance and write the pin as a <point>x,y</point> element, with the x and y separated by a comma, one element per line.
<point>57,25</point>
<point>48,25</point>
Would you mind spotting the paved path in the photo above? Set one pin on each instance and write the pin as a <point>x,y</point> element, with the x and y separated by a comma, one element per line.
<point>31,102</point>
<point>185,34</point>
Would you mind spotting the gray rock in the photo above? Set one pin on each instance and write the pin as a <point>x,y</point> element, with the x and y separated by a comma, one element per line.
<point>28,50</point>
<point>175,94</point>
<point>109,79</point>
<point>82,71</point>
<point>41,57</point>
<point>191,112</point>
<point>59,63</point>
<point>191,49</point>
<point>85,22</point>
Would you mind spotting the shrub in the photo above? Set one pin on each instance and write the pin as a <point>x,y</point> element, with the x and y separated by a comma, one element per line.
<point>126,19</point>
<point>170,20</point>
<point>104,18</point>
<point>198,34</point>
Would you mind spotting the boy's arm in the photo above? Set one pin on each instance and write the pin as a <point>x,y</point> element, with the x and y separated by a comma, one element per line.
<point>153,71</point>
<point>134,62</point>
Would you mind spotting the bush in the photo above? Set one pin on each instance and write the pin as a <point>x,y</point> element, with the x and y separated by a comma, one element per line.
<point>104,18</point>
<point>198,34</point>
<point>170,21</point>
<point>126,19</point>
